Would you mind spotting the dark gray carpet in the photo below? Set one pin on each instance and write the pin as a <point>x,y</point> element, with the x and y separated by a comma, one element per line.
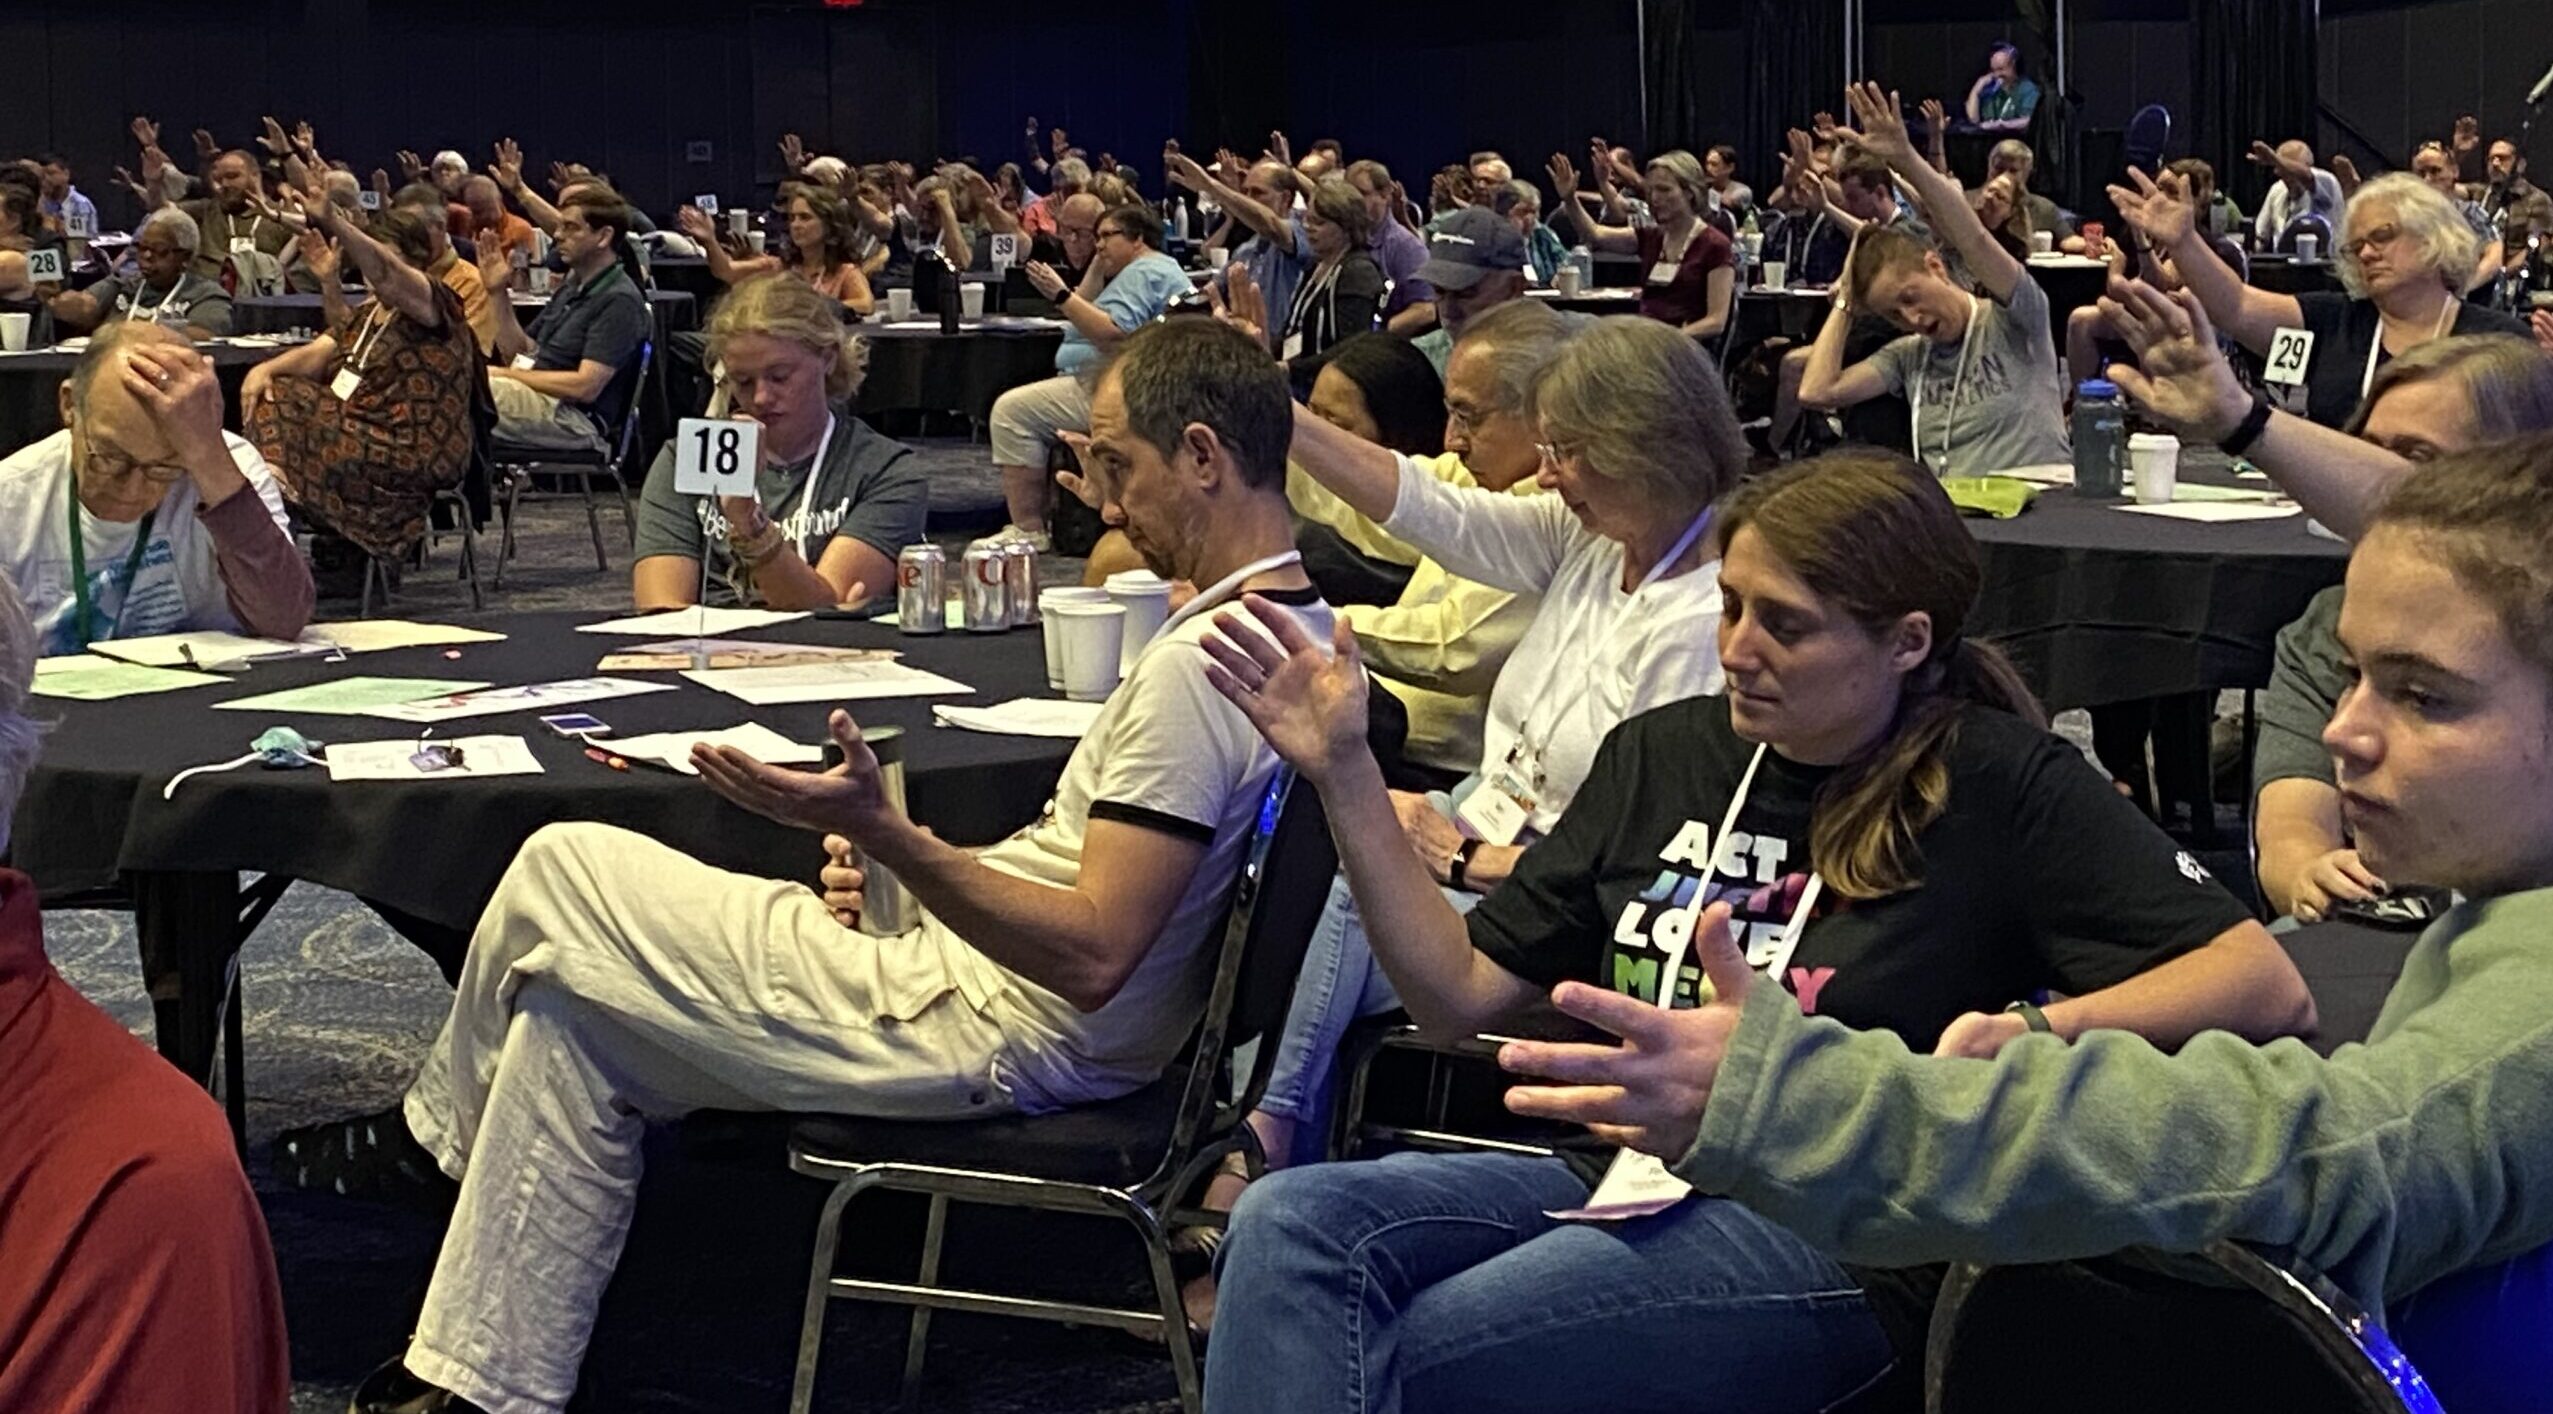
<point>703,1313</point>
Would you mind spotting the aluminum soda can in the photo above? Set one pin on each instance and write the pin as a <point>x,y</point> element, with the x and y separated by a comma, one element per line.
<point>921,589</point>
<point>987,587</point>
<point>1019,575</point>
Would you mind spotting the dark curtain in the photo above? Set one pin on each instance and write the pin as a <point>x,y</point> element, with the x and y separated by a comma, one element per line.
<point>1794,62</point>
<point>2252,67</point>
<point>1674,69</point>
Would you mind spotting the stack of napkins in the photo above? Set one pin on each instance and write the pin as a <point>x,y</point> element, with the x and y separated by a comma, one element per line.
<point>1024,716</point>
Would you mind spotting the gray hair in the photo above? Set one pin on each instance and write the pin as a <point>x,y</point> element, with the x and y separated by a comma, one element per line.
<point>451,159</point>
<point>1639,400</point>
<point>2446,246</point>
<point>1072,174</point>
<point>342,189</point>
<point>832,171</point>
<point>1524,194</point>
<point>20,735</point>
<point>181,228</point>
<point>2506,377</point>
<point>2010,153</point>
<point>1519,339</point>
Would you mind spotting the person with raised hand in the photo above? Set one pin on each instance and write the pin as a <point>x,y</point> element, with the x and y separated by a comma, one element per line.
<point>1874,816</point>
<point>823,248</point>
<point>1688,266</point>
<point>2405,256</point>
<point>2300,188</point>
<point>1978,369</point>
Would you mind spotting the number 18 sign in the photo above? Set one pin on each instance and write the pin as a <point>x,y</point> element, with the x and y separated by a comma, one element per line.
<point>716,458</point>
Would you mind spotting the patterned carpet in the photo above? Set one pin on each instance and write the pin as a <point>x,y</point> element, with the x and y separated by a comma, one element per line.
<point>703,1313</point>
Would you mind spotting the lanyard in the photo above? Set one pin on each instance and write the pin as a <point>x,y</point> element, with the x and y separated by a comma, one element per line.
<point>1225,588</point>
<point>2376,346</point>
<point>367,337</point>
<point>80,570</point>
<point>815,469</point>
<point>1578,636</point>
<point>1958,379</point>
<point>1786,945</point>
<point>133,311</point>
<point>1314,289</point>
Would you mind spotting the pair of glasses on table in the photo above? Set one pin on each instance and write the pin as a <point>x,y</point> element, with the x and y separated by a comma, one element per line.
<point>432,756</point>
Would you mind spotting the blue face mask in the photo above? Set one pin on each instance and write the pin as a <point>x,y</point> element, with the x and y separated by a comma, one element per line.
<point>276,749</point>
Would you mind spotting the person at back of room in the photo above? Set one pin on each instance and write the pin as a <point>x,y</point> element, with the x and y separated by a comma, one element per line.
<point>559,385</point>
<point>822,249</point>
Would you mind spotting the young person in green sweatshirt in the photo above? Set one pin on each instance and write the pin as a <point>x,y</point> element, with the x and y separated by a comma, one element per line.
<point>1876,817</point>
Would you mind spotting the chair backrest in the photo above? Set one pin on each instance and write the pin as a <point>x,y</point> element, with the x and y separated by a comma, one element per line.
<point>1277,898</point>
<point>631,394</point>
<point>2225,1329</point>
<point>2149,136</point>
<point>2309,224</point>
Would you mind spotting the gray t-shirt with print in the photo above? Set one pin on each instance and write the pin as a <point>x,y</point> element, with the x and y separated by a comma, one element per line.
<point>2003,408</point>
<point>869,488</point>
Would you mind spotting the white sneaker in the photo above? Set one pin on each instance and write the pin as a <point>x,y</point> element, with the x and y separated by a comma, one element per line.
<point>1037,540</point>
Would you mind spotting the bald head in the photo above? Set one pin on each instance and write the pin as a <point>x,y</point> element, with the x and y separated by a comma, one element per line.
<point>487,207</point>
<point>1081,206</point>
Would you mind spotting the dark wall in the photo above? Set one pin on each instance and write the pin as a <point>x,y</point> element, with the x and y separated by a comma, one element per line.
<point>2402,74</point>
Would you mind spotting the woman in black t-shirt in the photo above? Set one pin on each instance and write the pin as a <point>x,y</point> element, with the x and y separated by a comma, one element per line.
<point>1893,835</point>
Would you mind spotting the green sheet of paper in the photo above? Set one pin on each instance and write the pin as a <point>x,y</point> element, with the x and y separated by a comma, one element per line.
<point>86,677</point>
<point>349,695</point>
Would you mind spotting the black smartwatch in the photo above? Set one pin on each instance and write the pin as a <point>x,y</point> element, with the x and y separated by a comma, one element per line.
<point>1461,862</point>
<point>2031,1017</point>
<point>2248,430</point>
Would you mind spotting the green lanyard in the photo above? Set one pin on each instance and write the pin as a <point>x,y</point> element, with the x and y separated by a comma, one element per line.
<point>80,570</point>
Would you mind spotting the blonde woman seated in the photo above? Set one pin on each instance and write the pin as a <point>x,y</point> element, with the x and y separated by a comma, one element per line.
<point>823,248</point>
<point>833,501</point>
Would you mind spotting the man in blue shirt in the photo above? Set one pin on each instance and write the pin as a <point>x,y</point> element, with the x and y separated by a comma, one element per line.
<point>1129,284</point>
<point>1278,251</point>
<point>63,202</point>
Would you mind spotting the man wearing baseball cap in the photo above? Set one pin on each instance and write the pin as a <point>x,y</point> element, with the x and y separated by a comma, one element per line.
<point>1476,262</point>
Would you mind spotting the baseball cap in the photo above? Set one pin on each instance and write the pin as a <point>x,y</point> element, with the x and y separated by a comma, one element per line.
<point>1468,244</point>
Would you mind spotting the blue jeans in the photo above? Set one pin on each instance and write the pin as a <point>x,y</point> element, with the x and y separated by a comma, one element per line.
<point>1339,983</point>
<point>1433,1281</point>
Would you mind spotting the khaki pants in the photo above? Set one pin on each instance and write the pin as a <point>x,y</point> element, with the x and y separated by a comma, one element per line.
<point>527,417</point>
<point>1027,418</point>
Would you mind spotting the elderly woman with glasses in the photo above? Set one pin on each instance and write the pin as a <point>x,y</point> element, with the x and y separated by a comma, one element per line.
<point>2406,257</point>
<point>142,516</point>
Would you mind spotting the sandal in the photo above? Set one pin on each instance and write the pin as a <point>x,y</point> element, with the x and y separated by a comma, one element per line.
<point>371,1157</point>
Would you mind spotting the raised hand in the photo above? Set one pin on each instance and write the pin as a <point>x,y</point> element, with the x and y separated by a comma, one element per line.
<point>2180,376</point>
<point>306,140</point>
<point>496,268</point>
<point>319,254</point>
<point>1880,125</point>
<point>1182,169</point>
<point>505,164</point>
<point>848,800</point>
<point>1564,177</point>
<point>145,132</point>
<point>793,151</point>
<point>1310,705</point>
<point>205,147</point>
<point>560,176</point>
<point>2160,209</point>
<point>695,223</point>
<point>273,139</point>
<point>410,166</point>
<point>155,164</point>
<point>1936,118</point>
<point>1059,144</point>
<point>381,183</point>
<point>1245,301</point>
<point>2346,171</point>
<point>1278,150</point>
<point>1647,1093</point>
<point>1822,123</point>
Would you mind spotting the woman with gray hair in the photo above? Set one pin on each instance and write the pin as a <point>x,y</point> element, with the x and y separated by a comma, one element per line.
<point>1337,298</point>
<point>1637,441</point>
<point>2405,256</point>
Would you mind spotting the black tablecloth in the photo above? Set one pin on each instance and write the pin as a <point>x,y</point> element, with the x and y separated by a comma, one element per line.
<point>31,383</point>
<point>2286,275</point>
<point>2349,967</point>
<point>675,310</point>
<point>917,368</point>
<point>2098,606</point>
<point>686,274</point>
<point>436,849</point>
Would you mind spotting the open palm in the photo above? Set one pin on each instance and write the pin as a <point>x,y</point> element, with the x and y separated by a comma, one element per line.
<point>1309,704</point>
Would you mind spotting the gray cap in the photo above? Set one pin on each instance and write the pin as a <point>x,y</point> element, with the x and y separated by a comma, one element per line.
<point>1468,244</point>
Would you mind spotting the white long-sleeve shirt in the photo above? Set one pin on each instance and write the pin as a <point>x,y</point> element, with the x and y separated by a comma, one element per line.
<point>1593,655</point>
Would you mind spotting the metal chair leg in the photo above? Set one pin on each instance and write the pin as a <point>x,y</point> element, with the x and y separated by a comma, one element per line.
<point>1174,1312</point>
<point>506,503</point>
<point>593,517</point>
<point>917,1337</point>
<point>235,1052</point>
<point>802,1387</point>
<point>470,557</point>
<point>371,576</point>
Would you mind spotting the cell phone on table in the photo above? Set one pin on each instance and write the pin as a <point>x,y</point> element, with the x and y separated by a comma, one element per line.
<point>576,726</point>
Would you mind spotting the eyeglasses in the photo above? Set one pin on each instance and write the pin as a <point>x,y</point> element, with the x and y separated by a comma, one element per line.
<point>115,466</point>
<point>1106,231</point>
<point>1552,454</point>
<point>1466,419</point>
<point>2380,237</point>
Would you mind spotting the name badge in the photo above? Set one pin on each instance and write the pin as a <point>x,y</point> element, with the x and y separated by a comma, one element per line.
<point>44,265</point>
<point>716,457</point>
<point>345,383</point>
<point>523,361</point>
<point>1293,348</point>
<point>2291,352</point>
<point>1663,273</point>
<point>1497,809</point>
<point>243,245</point>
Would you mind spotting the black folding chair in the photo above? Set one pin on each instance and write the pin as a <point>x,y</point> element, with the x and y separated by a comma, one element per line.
<point>514,466</point>
<point>1136,1158</point>
<point>2228,1328</point>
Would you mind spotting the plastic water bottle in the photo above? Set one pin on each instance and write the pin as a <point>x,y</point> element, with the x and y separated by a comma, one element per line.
<point>2100,439</point>
<point>1585,260</point>
<point>1750,242</point>
<point>1179,219</point>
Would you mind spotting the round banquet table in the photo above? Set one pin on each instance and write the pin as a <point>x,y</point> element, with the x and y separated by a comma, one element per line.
<point>2096,605</point>
<point>913,367</point>
<point>674,310</point>
<point>93,816</point>
<point>2289,275</point>
<point>31,383</point>
<point>1590,301</point>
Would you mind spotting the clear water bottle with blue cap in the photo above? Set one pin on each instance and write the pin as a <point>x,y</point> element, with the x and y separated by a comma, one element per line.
<point>2100,439</point>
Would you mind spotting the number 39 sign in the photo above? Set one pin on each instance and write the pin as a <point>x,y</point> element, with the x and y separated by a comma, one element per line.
<point>716,458</point>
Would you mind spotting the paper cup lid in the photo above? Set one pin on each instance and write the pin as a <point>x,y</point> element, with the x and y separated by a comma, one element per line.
<point>2153,440</point>
<point>1074,594</point>
<point>1137,582</point>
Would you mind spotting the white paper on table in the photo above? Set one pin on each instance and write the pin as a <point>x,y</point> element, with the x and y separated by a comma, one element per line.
<point>488,701</point>
<point>2214,512</point>
<point>202,649</point>
<point>674,748</point>
<point>692,622</point>
<point>374,635</point>
<point>388,760</point>
<point>2044,474</point>
<point>824,682</point>
<point>1023,716</point>
<point>86,677</point>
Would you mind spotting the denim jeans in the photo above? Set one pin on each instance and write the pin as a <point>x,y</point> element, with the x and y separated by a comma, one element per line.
<point>1339,983</point>
<point>1434,1281</point>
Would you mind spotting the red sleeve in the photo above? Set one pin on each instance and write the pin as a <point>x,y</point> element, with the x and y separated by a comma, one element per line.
<point>1714,250</point>
<point>263,574</point>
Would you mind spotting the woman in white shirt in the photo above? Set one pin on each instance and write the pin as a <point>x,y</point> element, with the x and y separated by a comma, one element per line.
<point>1637,441</point>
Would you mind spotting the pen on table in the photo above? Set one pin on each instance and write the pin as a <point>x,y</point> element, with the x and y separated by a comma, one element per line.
<point>596,753</point>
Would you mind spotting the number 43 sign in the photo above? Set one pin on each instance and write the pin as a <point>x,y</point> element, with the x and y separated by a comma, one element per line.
<point>716,458</point>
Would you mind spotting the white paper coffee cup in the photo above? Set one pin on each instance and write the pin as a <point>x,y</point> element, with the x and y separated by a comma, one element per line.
<point>2309,247</point>
<point>2155,460</point>
<point>1090,637</point>
<point>1216,256</point>
<point>1145,596</point>
<point>970,301</point>
<point>13,331</point>
<point>2042,242</point>
<point>739,222</point>
<point>1777,274</point>
<point>899,304</point>
<point>1046,602</point>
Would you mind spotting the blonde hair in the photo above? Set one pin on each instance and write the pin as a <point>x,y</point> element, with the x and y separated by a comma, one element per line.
<point>2447,246</point>
<point>1685,170</point>
<point>782,306</point>
<point>1640,402</point>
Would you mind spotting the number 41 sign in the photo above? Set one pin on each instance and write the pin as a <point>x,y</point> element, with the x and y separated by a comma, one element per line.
<point>716,458</point>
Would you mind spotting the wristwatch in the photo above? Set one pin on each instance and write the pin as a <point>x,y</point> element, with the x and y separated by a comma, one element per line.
<point>2031,1017</point>
<point>1461,862</point>
<point>2248,430</point>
